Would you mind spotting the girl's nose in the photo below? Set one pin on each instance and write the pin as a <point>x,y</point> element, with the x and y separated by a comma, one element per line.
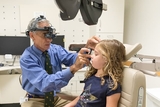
<point>92,56</point>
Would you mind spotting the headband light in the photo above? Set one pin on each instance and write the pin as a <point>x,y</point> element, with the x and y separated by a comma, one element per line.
<point>51,32</point>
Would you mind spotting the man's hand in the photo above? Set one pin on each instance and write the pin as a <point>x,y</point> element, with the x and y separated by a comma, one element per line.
<point>82,59</point>
<point>92,42</point>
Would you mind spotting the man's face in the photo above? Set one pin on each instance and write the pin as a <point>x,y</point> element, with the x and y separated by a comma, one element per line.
<point>39,39</point>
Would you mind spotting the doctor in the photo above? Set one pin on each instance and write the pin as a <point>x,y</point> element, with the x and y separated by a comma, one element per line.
<point>35,79</point>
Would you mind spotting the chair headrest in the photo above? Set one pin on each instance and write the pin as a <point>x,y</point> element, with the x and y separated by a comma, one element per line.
<point>131,50</point>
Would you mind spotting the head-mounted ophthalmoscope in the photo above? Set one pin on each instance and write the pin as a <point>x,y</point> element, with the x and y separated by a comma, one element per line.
<point>51,32</point>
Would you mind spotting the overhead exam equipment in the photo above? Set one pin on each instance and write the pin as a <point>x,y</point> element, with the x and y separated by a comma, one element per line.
<point>90,10</point>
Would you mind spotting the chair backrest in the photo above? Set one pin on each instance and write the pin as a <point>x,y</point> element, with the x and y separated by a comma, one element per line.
<point>133,89</point>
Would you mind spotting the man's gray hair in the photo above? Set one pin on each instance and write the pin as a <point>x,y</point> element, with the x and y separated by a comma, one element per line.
<point>33,24</point>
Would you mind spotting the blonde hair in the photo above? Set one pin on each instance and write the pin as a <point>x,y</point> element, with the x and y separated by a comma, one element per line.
<point>114,52</point>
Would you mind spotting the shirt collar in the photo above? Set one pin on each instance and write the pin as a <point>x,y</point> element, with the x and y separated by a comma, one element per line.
<point>37,51</point>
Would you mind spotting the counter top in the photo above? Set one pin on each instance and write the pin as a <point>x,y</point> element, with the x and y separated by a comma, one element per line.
<point>154,95</point>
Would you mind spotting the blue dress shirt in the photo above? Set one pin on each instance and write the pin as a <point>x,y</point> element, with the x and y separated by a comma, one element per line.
<point>35,80</point>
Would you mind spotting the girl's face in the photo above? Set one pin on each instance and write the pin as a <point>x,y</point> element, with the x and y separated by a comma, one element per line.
<point>97,59</point>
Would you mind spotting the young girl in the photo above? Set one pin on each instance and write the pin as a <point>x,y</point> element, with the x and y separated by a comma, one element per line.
<point>103,79</point>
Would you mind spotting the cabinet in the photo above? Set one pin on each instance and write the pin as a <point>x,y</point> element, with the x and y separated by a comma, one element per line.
<point>110,24</point>
<point>153,99</point>
<point>10,89</point>
<point>118,36</point>
<point>74,86</point>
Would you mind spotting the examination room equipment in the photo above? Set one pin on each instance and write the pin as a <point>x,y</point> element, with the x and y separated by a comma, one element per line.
<point>51,31</point>
<point>90,10</point>
<point>150,67</point>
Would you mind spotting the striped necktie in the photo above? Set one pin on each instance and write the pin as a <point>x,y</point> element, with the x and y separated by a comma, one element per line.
<point>49,96</point>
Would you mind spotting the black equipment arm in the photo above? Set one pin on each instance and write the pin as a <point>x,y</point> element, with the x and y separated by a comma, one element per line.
<point>90,10</point>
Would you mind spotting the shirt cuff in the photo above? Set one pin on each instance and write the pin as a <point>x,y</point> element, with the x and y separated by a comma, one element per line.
<point>67,74</point>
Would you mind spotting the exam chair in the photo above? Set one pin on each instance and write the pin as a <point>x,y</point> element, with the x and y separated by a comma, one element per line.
<point>133,89</point>
<point>134,83</point>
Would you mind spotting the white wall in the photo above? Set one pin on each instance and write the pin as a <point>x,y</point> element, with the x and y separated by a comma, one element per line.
<point>142,24</point>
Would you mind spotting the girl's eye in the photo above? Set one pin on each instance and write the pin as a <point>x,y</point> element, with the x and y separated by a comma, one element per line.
<point>95,54</point>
